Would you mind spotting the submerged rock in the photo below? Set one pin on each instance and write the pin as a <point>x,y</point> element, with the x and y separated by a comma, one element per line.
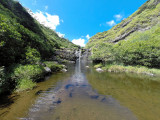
<point>99,70</point>
<point>150,74</point>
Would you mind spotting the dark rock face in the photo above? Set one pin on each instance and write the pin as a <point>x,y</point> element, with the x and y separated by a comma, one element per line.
<point>71,55</point>
<point>86,53</point>
<point>65,54</point>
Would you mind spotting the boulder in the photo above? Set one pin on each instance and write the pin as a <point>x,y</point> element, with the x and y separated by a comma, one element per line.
<point>63,70</point>
<point>99,70</point>
<point>47,69</point>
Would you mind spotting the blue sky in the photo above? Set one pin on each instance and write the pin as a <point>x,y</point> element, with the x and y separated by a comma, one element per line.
<point>78,20</point>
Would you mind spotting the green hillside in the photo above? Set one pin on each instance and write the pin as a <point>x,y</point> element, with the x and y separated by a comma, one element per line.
<point>24,45</point>
<point>18,31</point>
<point>134,41</point>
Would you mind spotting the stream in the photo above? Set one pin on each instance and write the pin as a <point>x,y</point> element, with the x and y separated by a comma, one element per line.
<point>84,94</point>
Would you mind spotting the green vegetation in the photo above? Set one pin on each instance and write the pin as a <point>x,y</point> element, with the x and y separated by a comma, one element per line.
<point>24,44</point>
<point>131,69</point>
<point>53,66</point>
<point>25,76</point>
<point>32,56</point>
<point>134,41</point>
<point>98,65</point>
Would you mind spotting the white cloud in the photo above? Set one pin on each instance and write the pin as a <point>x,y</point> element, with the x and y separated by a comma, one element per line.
<point>88,37</point>
<point>48,20</point>
<point>46,7</point>
<point>111,23</point>
<point>118,17</point>
<point>60,34</point>
<point>79,41</point>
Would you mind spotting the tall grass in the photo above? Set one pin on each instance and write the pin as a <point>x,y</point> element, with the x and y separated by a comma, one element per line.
<point>132,69</point>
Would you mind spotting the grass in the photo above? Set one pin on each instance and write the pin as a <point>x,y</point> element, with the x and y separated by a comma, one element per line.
<point>25,84</point>
<point>132,69</point>
<point>98,66</point>
<point>26,76</point>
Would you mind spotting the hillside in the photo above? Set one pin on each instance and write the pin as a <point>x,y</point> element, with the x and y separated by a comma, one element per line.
<point>18,31</point>
<point>134,41</point>
<point>26,48</point>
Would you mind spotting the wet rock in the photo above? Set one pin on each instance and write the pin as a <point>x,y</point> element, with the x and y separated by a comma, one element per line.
<point>64,66</point>
<point>58,101</point>
<point>87,66</point>
<point>43,64</point>
<point>94,96</point>
<point>71,62</point>
<point>39,92</point>
<point>65,54</point>
<point>47,69</point>
<point>99,70</point>
<point>150,74</point>
<point>103,99</point>
<point>63,70</point>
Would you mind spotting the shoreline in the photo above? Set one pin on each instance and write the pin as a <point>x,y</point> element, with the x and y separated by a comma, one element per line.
<point>129,69</point>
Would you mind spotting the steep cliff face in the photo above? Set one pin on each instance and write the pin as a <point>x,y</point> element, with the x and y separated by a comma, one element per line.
<point>147,16</point>
<point>134,41</point>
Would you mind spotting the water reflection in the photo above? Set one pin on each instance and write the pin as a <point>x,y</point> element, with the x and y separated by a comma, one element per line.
<point>84,94</point>
<point>74,98</point>
<point>140,94</point>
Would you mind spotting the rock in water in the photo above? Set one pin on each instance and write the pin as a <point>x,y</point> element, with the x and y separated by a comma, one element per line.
<point>99,70</point>
<point>47,69</point>
<point>64,66</point>
<point>64,70</point>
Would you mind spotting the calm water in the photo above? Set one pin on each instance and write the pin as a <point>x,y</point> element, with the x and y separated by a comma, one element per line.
<point>84,94</point>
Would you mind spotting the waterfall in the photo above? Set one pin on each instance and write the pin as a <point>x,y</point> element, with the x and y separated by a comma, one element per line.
<point>80,55</point>
<point>79,65</point>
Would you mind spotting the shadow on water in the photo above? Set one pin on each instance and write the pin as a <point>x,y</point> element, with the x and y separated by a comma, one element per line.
<point>6,101</point>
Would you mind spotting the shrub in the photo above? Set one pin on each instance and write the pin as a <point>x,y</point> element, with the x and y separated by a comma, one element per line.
<point>32,56</point>
<point>98,65</point>
<point>53,66</point>
<point>102,52</point>
<point>25,84</point>
<point>26,75</point>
